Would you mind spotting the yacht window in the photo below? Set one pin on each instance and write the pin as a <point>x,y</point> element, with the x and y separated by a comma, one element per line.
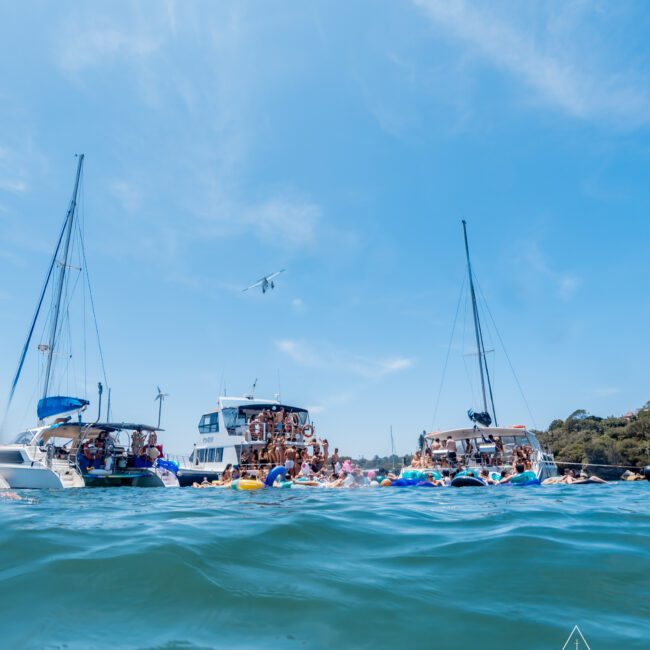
<point>218,454</point>
<point>209,423</point>
<point>233,419</point>
<point>211,455</point>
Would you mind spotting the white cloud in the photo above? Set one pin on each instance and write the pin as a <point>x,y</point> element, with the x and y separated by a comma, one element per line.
<point>341,361</point>
<point>531,257</point>
<point>99,41</point>
<point>126,194</point>
<point>292,222</point>
<point>607,391</point>
<point>12,185</point>
<point>563,65</point>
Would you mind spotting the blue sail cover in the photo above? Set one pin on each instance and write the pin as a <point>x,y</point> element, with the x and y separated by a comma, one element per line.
<point>55,405</point>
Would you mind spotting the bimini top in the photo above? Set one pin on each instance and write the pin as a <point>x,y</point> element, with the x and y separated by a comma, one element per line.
<point>74,430</point>
<point>477,432</point>
<point>248,402</point>
<point>272,406</point>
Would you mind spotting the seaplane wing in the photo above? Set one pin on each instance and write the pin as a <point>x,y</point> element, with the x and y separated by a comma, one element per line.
<point>275,275</point>
<point>257,284</point>
<point>265,281</point>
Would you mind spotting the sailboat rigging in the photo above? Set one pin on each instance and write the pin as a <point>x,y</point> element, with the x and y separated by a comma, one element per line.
<point>63,451</point>
<point>483,417</point>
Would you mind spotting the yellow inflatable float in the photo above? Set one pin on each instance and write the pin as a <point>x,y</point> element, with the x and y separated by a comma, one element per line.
<point>248,484</point>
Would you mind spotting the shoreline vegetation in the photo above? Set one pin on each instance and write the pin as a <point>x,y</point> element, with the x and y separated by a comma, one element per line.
<point>618,443</point>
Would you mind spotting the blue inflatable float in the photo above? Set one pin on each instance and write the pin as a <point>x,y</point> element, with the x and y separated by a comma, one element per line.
<point>273,474</point>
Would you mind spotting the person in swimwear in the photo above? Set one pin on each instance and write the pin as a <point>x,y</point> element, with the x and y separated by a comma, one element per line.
<point>335,459</point>
<point>290,462</point>
<point>520,468</point>
<point>326,446</point>
<point>484,475</point>
<point>452,455</point>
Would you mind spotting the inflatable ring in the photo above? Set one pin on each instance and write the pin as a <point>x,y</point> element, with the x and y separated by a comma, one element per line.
<point>310,428</point>
<point>274,474</point>
<point>248,484</point>
<point>524,478</point>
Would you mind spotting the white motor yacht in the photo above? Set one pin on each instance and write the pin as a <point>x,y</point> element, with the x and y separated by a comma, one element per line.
<point>236,432</point>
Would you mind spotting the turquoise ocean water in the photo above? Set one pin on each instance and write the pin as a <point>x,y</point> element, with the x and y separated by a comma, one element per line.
<point>385,568</point>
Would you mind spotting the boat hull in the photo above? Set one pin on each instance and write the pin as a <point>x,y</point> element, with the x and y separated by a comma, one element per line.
<point>186,477</point>
<point>31,478</point>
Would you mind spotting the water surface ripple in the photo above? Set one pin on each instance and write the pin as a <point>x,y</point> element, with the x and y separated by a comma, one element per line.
<point>385,568</point>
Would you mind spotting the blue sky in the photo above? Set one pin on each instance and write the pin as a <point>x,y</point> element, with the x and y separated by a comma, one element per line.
<point>345,142</point>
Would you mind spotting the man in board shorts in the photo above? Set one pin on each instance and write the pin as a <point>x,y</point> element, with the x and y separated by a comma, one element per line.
<point>451,451</point>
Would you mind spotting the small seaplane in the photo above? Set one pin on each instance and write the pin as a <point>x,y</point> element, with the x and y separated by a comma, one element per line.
<point>266,282</point>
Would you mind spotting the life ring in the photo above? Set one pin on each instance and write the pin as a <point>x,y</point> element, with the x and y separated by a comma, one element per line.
<point>255,427</point>
<point>310,428</point>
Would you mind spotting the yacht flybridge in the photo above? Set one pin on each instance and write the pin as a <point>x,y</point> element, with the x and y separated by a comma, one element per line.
<point>63,451</point>
<point>239,432</point>
<point>483,447</point>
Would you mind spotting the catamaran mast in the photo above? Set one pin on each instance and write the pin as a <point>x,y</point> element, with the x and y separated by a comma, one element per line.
<point>63,264</point>
<point>480,347</point>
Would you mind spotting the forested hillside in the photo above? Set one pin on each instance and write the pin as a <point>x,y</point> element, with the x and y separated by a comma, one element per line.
<point>586,438</point>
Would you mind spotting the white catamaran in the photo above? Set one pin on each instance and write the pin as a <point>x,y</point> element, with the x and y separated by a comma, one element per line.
<point>469,450</point>
<point>63,451</point>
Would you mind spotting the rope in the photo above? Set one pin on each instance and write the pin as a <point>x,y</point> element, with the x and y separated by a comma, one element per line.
<point>505,351</point>
<point>563,462</point>
<point>444,368</point>
<point>92,305</point>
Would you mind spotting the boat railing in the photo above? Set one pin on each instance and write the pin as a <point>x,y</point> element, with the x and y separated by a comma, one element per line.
<point>263,432</point>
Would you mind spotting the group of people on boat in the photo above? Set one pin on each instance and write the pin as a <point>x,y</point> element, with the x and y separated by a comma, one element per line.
<point>297,459</point>
<point>282,423</point>
<point>99,452</point>
<point>446,454</point>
